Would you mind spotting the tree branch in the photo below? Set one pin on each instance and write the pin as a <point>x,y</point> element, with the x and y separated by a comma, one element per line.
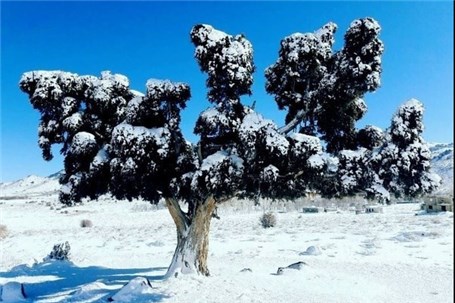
<point>199,152</point>
<point>294,122</point>
<point>291,175</point>
<point>180,220</point>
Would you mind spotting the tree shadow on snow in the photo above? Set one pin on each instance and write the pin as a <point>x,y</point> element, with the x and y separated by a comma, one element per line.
<point>58,277</point>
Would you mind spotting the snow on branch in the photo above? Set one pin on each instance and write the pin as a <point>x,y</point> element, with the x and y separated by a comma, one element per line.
<point>228,62</point>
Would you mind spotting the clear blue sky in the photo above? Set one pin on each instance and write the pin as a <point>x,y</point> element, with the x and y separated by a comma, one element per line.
<point>145,40</point>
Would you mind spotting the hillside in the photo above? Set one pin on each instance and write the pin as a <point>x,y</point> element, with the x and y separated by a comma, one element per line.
<point>442,164</point>
<point>30,186</point>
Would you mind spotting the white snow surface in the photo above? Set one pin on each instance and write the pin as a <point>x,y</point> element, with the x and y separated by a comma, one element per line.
<point>82,141</point>
<point>214,118</point>
<point>307,142</point>
<point>135,290</point>
<point>11,292</point>
<point>218,157</point>
<point>73,122</point>
<point>126,133</point>
<point>395,256</point>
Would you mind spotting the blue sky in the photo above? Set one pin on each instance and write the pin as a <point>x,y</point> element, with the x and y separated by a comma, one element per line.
<point>145,40</point>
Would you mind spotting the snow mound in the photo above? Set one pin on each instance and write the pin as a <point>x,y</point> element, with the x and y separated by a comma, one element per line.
<point>13,292</point>
<point>134,290</point>
<point>414,236</point>
<point>33,267</point>
<point>91,291</point>
<point>312,251</point>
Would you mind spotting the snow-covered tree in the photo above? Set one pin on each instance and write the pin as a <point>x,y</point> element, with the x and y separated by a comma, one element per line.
<point>403,162</point>
<point>323,90</point>
<point>130,144</point>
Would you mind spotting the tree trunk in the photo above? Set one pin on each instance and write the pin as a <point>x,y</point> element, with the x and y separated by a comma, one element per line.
<point>191,253</point>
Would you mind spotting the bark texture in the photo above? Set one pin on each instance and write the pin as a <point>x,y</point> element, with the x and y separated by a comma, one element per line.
<point>191,253</point>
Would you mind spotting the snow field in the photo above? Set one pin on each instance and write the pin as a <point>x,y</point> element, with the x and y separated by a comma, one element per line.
<point>391,257</point>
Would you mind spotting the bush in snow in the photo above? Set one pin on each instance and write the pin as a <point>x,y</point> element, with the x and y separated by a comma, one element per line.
<point>3,231</point>
<point>86,223</point>
<point>268,220</point>
<point>60,252</point>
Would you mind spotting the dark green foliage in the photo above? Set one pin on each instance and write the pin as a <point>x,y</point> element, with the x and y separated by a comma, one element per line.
<point>80,113</point>
<point>370,137</point>
<point>403,163</point>
<point>323,91</point>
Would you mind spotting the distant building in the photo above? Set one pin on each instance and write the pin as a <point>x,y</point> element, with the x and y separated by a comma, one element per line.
<point>437,204</point>
<point>311,209</point>
<point>406,202</point>
<point>376,209</point>
<point>330,209</point>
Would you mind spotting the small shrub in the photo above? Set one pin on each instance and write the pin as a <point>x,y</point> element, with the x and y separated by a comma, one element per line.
<point>86,223</point>
<point>3,231</point>
<point>268,220</point>
<point>60,252</point>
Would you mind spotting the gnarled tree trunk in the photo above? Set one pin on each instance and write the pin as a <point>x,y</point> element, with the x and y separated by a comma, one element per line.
<point>190,255</point>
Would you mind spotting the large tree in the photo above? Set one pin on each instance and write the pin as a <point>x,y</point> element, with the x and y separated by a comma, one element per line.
<point>130,144</point>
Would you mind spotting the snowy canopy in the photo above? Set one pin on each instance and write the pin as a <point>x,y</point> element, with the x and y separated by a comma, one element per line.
<point>118,140</point>
<point>228,62</point>
<point>323,90</point>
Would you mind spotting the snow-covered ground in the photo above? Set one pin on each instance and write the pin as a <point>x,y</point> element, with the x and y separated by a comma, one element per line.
<point>395,256</point>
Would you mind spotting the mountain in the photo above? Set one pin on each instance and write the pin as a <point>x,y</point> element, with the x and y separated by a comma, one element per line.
<point>30,186</point>
<point>35,186</point>
<point>442,164</point>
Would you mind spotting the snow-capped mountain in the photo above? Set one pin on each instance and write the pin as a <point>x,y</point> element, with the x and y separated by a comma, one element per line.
<point>442,164</point>
<point>30,186</point>
<point>35,186</point>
